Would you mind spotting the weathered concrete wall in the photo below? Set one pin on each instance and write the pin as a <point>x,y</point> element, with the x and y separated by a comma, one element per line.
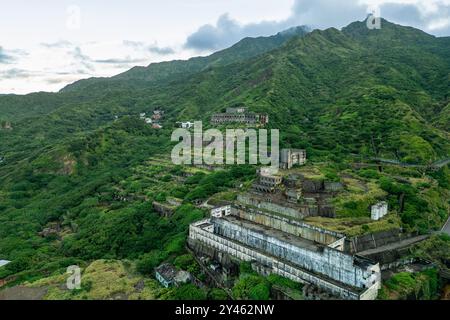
<point>326,261</point>
<point>163,209</point>
<point>287,225</point>
<point>374,240</point>
<point>287,211</point>
<point>282,267</point>
<point>312,186</point>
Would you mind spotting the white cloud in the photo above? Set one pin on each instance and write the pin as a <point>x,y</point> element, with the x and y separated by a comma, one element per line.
<point>430,15</point>
<point>53,65</point>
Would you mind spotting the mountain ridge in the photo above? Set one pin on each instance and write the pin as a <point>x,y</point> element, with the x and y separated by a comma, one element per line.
<point>163,71</point>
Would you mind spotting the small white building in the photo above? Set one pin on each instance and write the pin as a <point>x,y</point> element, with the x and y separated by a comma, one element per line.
<point>186,125</point>
<point>220,212</point>
<point>142,115</point>
<point>148,120</point>
<point>379,210</point>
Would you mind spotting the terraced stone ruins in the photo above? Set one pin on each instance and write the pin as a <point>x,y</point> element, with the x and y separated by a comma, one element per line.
<point>267,226</point>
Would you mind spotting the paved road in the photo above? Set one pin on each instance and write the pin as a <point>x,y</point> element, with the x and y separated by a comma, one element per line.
<point>446,228</point>
<point>393,246</point>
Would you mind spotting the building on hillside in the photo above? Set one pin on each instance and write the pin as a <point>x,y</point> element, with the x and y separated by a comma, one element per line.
<point>277,252</point>
<point>267,182</point>
<point>157,115</point>
<point>186,125</point>
<point>148,120</point>
<point>220,212</point>
<point>240,115</point>
<point>156,126</point>
<point>165,274</point>
<point>169,276</point>
<point>379,210</point>
<point>292,157</point>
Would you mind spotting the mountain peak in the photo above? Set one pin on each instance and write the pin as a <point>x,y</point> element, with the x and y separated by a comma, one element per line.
<point>388,30</point>
<point>298,30</point>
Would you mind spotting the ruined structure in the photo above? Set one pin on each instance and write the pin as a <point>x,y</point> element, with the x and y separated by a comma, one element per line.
<point>169,276</point>
<point>292,195</point>
<point>292,157</point>
<point>239,115</point>
<point>164,209</point>
<point>267,182</point>
<point>299,259</point>
<point>266,227</point>
<point>185,125</point>
<point>220,212</point>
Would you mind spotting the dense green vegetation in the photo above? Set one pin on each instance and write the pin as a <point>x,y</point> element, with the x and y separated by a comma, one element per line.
<point>409,286</point>
<point>80,158</point>
<point>252,286</point>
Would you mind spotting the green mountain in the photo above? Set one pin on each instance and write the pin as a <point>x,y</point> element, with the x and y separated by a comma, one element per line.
<point>82,159</point>
<point>174,70</point>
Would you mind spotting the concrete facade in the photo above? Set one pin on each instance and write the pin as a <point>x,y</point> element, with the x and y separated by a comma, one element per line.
<point>220,212</point>
<point>288,225</point>
<point>292,157</point>
<point>240,115</point>
<point>297,259</point>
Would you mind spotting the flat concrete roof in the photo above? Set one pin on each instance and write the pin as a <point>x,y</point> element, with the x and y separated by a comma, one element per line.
<point>290,263</point>
<point>279,235</point>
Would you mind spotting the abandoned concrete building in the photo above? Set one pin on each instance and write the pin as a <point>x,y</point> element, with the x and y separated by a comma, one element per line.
<point>267,182</point>
<point>265,227</point>
<point>185,125</point>
<point>239,115</point>
<point>291,157</point>
<point>169,276</point>
<point>273,251</point>
<point>291,195</point>
<point>164,209</point>
<point>219,212</point>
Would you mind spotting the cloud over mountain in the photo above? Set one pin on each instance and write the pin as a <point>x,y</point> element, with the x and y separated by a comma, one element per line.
<point>432,16</point>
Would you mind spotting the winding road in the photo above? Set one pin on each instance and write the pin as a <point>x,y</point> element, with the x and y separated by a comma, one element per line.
<point>446,228</point>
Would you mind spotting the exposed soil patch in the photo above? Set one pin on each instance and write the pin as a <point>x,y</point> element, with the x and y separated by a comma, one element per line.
<point>23,293</point>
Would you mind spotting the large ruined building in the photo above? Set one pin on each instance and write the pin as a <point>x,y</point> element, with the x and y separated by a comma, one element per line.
<point>264,228</point>
<point>292,195</point>
<point>281,250</point>
<point>239,115</point>
<point>292,157</point>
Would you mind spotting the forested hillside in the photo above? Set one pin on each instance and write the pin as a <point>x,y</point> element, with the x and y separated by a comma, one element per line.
<point>82,158</point>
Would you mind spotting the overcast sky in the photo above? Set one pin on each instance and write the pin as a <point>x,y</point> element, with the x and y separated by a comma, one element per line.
<point>46,44</point>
